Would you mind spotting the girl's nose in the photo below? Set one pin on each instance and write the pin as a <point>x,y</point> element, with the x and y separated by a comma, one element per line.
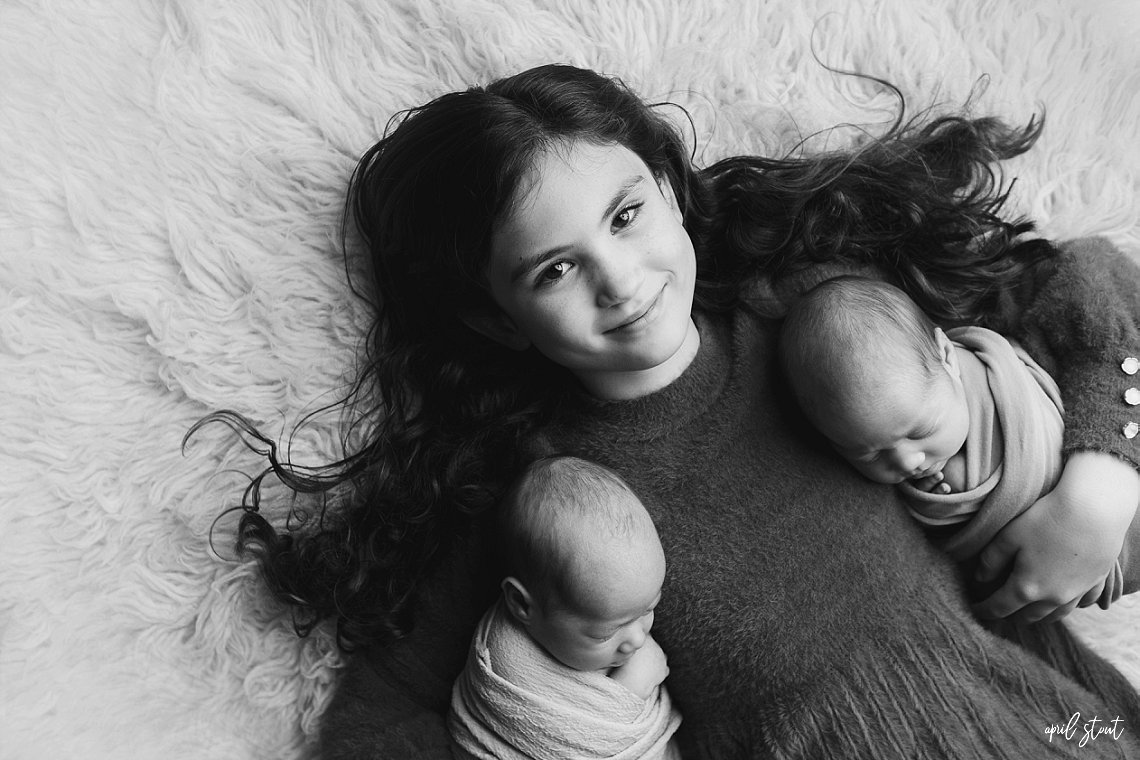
<point>618,277</point>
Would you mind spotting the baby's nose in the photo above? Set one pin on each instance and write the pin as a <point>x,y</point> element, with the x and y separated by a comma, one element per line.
<point>909,461</point>
<point>634,640</point>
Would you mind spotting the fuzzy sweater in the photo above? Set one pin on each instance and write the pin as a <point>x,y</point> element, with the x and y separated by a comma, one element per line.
<point>804,613</point>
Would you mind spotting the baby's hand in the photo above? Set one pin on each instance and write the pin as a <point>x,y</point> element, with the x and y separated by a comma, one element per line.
<point>644,671</point>
<point>935,483</point>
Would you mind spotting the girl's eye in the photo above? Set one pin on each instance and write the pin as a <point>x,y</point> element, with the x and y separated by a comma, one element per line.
<point>554,272</point>
<point>626,216</point>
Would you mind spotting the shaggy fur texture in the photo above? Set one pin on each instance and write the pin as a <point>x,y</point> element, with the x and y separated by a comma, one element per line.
<point>171,180</point>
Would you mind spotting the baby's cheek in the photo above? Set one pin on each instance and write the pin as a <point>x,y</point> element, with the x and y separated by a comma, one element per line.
<point>876,473</point>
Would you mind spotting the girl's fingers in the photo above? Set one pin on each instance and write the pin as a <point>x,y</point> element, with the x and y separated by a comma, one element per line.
<point>1015,607</point>
<point>1001,604</point>
<point>997,556</point>
<point>1051,617</point>
<point>1092,596</point>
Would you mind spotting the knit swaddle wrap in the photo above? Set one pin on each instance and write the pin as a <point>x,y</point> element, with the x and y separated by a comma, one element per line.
<point>1011,396</point>
<point>513,701</point>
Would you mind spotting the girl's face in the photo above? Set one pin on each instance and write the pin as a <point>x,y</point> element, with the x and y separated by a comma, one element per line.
<point>595,270</point>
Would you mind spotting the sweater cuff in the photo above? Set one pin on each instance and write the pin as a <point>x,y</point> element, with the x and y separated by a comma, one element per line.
<point>1104,412</point>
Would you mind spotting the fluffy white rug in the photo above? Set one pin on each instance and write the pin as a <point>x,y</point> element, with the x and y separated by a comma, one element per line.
<point>171,178</point>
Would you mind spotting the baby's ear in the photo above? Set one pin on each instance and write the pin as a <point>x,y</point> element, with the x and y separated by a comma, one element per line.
<point>947,354</point>
<point>518,599</point>
<point>497,326</point>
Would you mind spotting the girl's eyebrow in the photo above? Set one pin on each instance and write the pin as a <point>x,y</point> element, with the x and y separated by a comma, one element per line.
<point>629,184</point>
<point>528,265</point>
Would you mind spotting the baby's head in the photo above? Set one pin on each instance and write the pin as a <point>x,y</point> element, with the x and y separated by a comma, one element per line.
<point>585,562</point>
<point>875,375</point>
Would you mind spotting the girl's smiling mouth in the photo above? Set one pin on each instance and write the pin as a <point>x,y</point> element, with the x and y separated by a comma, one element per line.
<point>640,317</point>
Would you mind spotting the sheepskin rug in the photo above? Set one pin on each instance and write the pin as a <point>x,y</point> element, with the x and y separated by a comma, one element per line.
<point>171,181</point>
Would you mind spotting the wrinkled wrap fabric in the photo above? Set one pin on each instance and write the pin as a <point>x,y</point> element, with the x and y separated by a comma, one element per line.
<point>514,701</point>
<point>1012,452</point>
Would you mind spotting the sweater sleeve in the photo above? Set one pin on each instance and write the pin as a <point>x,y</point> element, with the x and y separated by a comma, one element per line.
<point>1080,319</point>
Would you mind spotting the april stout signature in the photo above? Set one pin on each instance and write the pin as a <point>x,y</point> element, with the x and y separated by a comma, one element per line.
<point>1085,731</point>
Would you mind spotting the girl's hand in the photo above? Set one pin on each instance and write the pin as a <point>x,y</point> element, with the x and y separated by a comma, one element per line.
<point>1064,546</point>
<point>645,670</point>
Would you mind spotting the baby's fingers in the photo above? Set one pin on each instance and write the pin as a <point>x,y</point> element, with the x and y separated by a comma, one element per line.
<point>932,483</point>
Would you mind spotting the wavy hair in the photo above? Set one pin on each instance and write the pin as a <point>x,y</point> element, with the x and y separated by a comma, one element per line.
<point>923,203</point>
<point>448,411</point>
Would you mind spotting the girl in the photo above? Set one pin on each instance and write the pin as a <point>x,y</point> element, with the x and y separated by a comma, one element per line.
<point>551,274</point>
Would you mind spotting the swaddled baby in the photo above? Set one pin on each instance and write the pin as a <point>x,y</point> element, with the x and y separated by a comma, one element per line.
<point>964,421</point>
<point>563,665</point>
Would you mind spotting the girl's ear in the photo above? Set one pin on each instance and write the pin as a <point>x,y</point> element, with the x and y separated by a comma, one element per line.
<point>666,188</point>
<point>497,326</point>
<point>518,600</point>
<point>947,353</point>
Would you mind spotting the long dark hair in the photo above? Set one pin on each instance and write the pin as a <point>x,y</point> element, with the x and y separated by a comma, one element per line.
<point>923,204</point>
<point>446,411</point>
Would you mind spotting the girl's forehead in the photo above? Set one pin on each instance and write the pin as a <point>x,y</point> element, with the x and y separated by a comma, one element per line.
<point>578,172</point>
<point>569,190</point>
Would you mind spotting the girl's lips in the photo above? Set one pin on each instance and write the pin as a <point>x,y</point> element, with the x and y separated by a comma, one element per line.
<point>640,316</point>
